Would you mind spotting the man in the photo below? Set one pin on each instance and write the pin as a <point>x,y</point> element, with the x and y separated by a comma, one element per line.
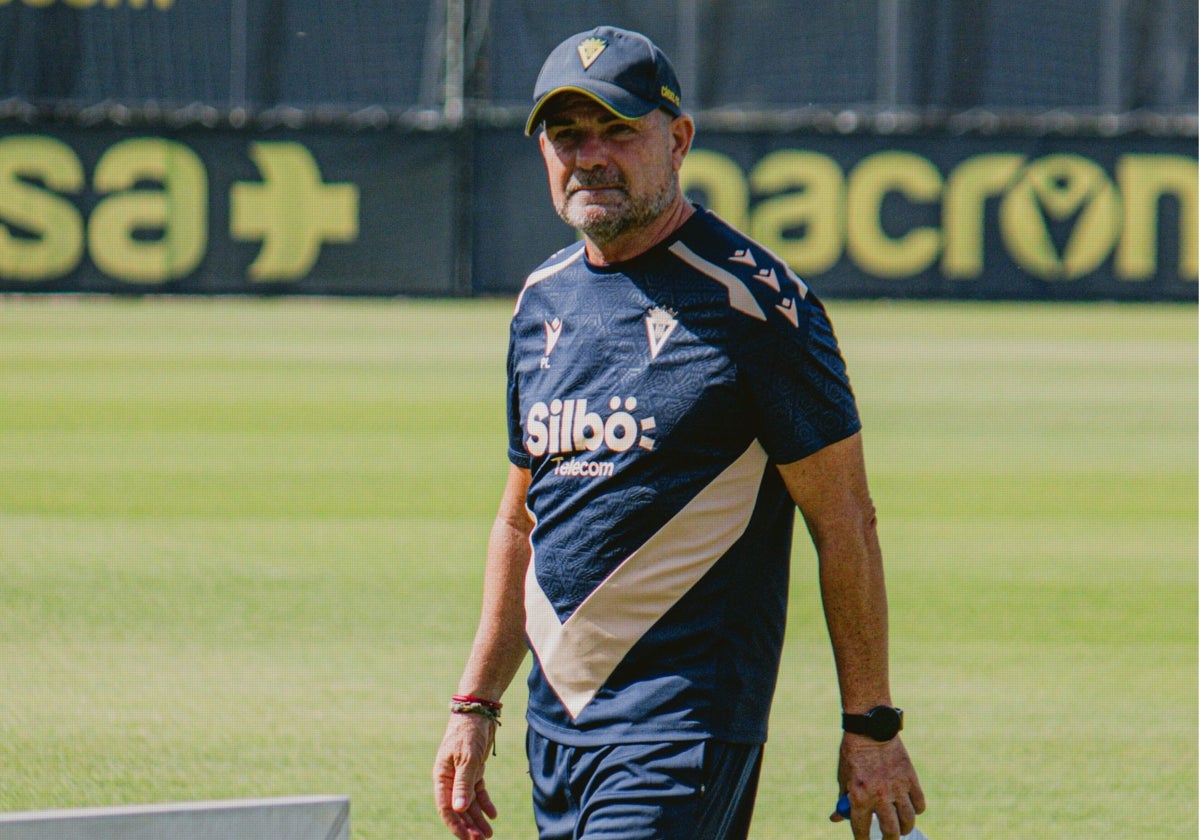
<point>675,392</point>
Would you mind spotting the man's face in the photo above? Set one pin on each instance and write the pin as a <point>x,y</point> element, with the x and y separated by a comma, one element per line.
<point>610,175</point>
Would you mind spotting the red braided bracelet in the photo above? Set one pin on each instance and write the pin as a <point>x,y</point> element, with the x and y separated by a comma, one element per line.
<point>469,704</point>
<point>472,699</point>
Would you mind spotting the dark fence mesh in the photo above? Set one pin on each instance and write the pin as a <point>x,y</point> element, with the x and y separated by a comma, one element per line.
<point>795,54</point>
<point>1010,54</point>
<point>366,52</point>
<point>56,53</point>
<point>1110,55</point>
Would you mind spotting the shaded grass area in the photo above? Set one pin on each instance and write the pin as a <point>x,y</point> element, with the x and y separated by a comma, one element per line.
<point>241,548</point>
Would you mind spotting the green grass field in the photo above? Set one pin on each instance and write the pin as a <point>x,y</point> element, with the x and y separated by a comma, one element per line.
<point>241,541</point>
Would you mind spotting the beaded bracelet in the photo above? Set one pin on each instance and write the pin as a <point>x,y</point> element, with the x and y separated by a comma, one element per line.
<point>467,704</point>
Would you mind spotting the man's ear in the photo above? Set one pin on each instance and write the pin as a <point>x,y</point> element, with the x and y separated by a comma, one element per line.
<point>683,131</point>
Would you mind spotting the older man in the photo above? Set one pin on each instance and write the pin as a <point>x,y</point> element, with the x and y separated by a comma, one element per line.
<point>675,391</point>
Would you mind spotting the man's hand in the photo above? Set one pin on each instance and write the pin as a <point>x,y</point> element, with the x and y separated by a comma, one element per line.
<point>879,779</point>
<point>458,789</point>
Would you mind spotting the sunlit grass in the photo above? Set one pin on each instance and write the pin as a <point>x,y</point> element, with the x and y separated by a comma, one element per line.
<point>241,548</point>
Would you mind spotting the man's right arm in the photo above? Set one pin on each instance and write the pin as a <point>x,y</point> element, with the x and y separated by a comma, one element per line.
<point>496,655</point>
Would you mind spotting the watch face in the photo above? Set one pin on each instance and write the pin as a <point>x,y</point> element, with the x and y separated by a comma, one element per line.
<point>884,723</point>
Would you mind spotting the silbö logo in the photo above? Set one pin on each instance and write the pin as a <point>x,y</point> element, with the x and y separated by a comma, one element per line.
<point>565,427</point>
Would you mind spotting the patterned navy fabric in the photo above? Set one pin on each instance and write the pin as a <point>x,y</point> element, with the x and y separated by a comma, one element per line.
<point>651,401</point>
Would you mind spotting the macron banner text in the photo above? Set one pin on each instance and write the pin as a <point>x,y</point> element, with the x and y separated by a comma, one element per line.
<point>389,212</point>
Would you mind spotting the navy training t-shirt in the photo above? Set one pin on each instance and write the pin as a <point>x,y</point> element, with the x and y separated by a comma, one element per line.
<point>652,400</point>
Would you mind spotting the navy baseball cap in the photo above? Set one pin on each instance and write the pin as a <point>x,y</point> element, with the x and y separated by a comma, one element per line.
<point>622,70</point>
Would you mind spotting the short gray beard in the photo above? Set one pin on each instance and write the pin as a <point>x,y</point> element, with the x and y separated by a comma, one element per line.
<point>637,213</point>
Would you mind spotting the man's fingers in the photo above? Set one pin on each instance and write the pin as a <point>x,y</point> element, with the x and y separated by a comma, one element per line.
<point>917,796</point>
<point>889,822</point>
<point>472,805</point>
<point>860,824</point>
<point>472,822</point>
<point>459,792</point>
<point>895,819</point>
<point>906,814</point>
<point>484,800</point>
<point>464,789</point>
<point>466,827</point>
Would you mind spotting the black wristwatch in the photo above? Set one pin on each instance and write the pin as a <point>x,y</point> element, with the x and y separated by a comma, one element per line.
<point>882,723</point>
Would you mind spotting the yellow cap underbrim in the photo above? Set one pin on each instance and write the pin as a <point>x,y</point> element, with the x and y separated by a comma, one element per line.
<point>535,116</point>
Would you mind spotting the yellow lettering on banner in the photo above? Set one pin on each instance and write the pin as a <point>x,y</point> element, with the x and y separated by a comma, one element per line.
<point>52,240</point>
<point>803,226</point>
<point>808,211</point>
<point>175,216</point>
<point>1059,217</point>
<point>968,188</point>
<point>1144,180</point>
<point>720,182</point>
<point>292,212</point>
<point>1061,188</point>
<point>866,242</point>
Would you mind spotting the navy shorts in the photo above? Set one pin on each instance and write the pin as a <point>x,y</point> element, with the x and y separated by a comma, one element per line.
<point>689,790</point>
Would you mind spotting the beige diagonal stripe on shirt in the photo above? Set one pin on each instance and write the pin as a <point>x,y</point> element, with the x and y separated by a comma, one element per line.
<point>578,655</point>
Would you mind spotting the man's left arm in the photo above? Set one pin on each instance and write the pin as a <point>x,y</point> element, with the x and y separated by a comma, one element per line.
<point>830,488</point>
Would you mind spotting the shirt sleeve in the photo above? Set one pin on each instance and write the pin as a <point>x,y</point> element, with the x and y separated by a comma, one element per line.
<point>516,435</point>
<point>796,379</point>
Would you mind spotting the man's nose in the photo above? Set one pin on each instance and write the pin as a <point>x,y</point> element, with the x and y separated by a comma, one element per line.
<point>592,152</point>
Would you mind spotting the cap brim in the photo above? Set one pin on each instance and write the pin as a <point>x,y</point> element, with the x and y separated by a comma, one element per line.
<point>618,100</point>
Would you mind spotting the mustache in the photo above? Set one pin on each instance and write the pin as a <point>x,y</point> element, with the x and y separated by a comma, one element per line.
<point>585,180</point>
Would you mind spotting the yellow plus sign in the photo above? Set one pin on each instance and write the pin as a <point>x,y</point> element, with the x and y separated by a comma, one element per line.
<point>292,212</point>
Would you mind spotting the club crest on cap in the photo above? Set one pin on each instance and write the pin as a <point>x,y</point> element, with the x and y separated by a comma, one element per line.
<point>590,50</point>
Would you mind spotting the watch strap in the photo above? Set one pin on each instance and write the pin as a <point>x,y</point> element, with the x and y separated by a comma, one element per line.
<point>882,723</point>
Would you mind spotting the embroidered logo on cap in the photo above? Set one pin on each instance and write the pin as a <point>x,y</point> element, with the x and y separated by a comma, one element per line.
<point>590,50</point>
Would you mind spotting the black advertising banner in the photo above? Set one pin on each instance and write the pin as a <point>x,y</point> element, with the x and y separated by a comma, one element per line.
<point>387,211</point>
<point>858,215</point>
<point>202,211</point>
<point>965,217</point>
<point>516,227</point>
